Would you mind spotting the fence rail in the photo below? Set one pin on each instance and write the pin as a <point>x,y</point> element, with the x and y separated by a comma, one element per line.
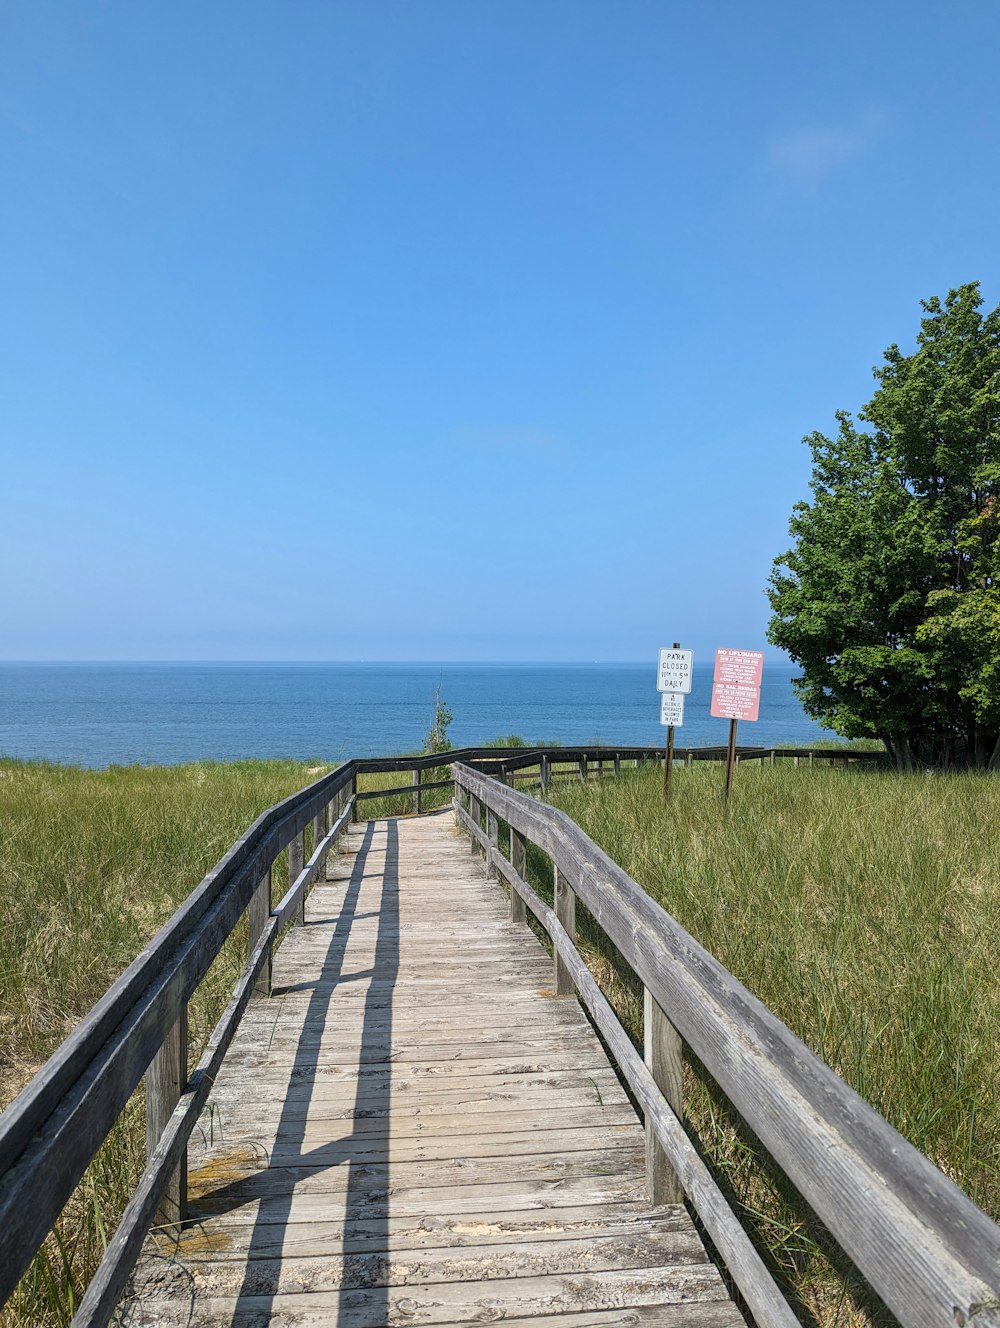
<point>53,1130</point>
<point>921,1243</point>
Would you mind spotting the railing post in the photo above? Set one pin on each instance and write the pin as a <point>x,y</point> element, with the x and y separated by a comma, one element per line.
<point>664,1057</point>
<point>565,901</point>
<point>772,756</point>
<point>351,793</point>
<point>319,829</point>
<point>544,773</point>
<point>416,792</point>
<point>518,860</point>
<point>583,767</point>
<point>689,759</point>
<point>296,861</point>
<point>334,812</point>
<point>257,916</point>
<point>492,836</point>
<point>618,765</point>
<point>474,813</point>
<point>795,762</point>
<point>165,1081</point>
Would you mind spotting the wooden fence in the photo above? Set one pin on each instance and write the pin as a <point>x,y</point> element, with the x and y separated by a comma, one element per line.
<point>921,1243</point>
<point>53,1130</point>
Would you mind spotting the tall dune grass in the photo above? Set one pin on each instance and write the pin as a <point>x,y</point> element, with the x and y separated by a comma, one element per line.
<point>91,864</point>
<point>863,908</point>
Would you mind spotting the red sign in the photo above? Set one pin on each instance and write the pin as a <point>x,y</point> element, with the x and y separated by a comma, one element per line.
<point>736,686</point>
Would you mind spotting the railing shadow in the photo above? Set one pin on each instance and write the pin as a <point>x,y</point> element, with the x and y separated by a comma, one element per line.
<point>365,1150</point>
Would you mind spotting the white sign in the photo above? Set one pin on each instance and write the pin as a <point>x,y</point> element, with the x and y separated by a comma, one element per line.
<point>674,670</point>
<point>672,709</point>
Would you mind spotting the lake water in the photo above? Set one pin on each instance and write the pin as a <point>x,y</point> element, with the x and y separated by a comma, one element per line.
<point>99,714</point>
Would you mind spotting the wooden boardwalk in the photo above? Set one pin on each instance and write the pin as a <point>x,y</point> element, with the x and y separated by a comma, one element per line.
<point>413,1130</point>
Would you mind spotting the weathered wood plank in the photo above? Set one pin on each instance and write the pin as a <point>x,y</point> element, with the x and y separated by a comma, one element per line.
<point>166,1079</point>
<point>397,1138</point>
<point>305,1311</point>
<point>215,1272</point>
<point>664,1059</point>
<point>257,916</point>
<point>327,1235</point>
<point>451,1302</point>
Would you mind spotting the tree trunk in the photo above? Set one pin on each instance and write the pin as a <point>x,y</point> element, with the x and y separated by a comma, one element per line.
<point>980,751</point>
<point>901,752</point>
<point>994,763</point>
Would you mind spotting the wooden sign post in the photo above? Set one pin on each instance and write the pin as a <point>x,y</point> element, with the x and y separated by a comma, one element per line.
<point>736,696</point>
<point>673,682</point>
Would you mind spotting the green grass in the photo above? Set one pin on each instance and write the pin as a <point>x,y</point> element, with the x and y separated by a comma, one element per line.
<point>864,909</point>
<point>91,864</point>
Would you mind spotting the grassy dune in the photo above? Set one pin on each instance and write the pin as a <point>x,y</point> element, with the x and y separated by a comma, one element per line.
<point>861,907</point>
<point>864,909</point>
<point>92,862</point>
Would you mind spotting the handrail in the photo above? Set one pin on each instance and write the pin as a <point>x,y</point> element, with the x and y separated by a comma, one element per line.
<point>923,1245</point>
<point>54,1128</point>
<point>50,1133</point>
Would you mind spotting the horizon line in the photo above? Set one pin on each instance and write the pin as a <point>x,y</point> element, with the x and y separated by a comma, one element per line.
<point>706,657</point>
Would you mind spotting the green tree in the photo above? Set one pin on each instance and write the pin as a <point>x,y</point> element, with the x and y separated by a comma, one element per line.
<point>889,598</point>
<point>437,739</point>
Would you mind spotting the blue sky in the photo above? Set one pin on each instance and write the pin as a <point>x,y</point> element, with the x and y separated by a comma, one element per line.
<point>437,330</point>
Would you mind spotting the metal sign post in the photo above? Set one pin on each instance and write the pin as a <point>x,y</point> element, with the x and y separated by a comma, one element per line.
<point>672,715</point>
<point>736,696</point>
<point>673,680</point>
<point>730,760</point>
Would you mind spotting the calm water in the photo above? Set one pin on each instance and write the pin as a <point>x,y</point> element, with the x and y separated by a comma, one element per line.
<point>98,714</point>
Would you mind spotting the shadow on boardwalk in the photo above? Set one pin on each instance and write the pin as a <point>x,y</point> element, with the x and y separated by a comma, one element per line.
<point>365,1151</point>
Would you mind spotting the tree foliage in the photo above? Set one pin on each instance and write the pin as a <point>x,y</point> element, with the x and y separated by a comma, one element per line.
<point>437,739</point>
<point>889,598</point>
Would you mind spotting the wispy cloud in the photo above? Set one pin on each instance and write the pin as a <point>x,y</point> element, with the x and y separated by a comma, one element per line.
<point>806,157</point>
<point>510,438</point>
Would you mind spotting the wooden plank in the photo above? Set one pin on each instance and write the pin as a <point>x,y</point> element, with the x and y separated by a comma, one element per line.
<point>492,830</point>
<point>458,1302</point>
<point>304,1312</point>
<point>664,1059</point>
<point>296,861</point>
<point>371,1146</point>
<point>525,1194</point>
<point>565,901</point>
<point>527,1127</point>
<point>216,1272</point>
<point>257,916</point>
<point>166,1079</point>
<point>518,846</point>
<point>424,1202</point>
<point>414,1232</point>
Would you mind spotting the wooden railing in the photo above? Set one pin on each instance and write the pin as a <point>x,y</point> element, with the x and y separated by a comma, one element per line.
<point>922,1245</point>
<point>50,1134</point>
